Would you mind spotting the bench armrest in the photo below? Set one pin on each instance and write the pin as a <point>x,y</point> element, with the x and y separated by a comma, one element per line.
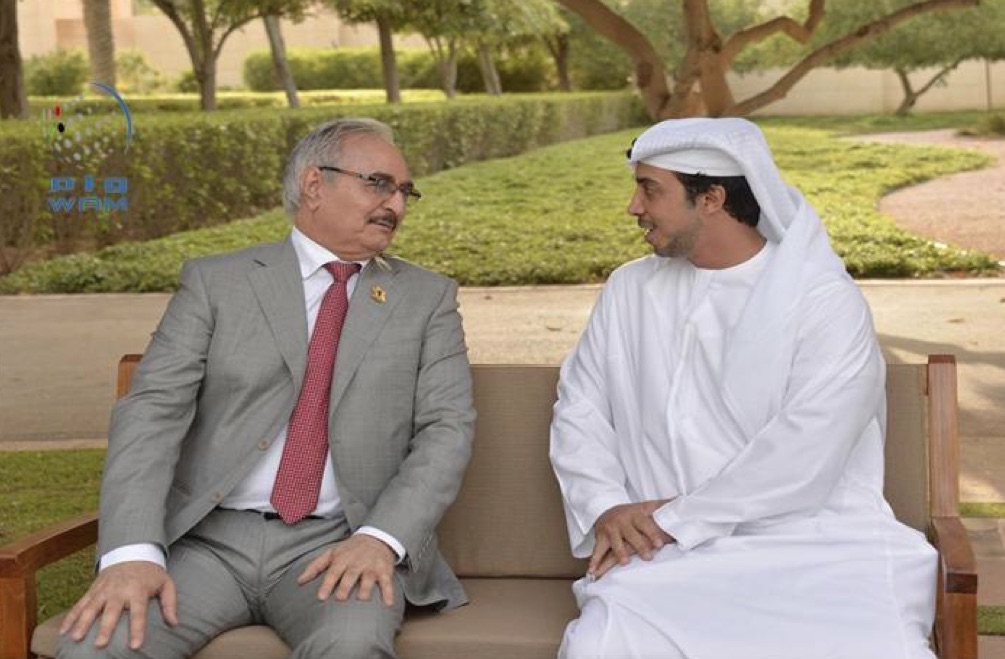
<point>956,612</point>
<point>19,563</point>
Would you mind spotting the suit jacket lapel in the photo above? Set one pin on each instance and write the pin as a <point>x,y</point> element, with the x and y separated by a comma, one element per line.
<point>373,299</point>
<point>278,285</point>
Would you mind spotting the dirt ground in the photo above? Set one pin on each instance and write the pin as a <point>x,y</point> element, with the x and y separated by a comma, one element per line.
<point>965,209</point>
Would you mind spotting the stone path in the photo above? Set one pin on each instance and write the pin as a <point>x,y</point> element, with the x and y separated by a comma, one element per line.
<point>965,209</point>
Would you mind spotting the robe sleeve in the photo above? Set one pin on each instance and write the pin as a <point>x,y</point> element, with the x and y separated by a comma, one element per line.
<point>835,391</point>
<point>583,442</point>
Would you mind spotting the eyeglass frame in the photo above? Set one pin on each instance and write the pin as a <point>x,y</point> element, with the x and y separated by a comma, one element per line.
<point>385,186</point>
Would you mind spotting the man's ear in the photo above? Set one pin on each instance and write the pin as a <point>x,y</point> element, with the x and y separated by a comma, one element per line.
<point>310,187</point>
<point>713,199</point>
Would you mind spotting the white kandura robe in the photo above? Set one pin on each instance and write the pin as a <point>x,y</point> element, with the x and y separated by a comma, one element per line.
<point>785,545</point>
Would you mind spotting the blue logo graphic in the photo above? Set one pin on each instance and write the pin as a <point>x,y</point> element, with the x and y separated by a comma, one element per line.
<point>79,136</point>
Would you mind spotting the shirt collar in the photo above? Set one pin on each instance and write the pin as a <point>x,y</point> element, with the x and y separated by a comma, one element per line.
<point>313,256</point>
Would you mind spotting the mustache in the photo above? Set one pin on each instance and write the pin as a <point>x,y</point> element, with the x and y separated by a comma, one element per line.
<point>388,217</point>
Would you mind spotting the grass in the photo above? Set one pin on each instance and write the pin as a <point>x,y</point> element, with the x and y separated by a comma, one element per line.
<point>38,488</point>
<point>991,620</point>
<point>974,509</point>
<point>557,216</point>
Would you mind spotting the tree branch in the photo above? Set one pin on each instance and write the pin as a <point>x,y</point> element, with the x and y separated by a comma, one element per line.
<point>938,77</point>
<point>167,6</point>
<point>801,32</point>
<point>867,32</point>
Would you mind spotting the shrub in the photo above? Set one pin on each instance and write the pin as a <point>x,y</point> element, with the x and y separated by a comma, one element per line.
<point>62,73</point>
<point>345,68</point>
<point>989,125</point>
<point>134,75</point>
<point>526,70</point>
<point>522,71</point>
<point>186,83</point>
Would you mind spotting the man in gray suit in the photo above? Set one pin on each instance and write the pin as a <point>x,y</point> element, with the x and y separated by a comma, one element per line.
<point>191,508</point>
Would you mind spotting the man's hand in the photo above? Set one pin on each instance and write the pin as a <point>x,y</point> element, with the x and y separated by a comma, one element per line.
<point>360,559</point>
<point>625,530</point>
<point>124,586</point>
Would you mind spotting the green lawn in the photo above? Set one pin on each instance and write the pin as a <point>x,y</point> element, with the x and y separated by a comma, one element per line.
<point>39,488</point>
<point>557,215</point>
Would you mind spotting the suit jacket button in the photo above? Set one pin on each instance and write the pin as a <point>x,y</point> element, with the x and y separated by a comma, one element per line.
<point>216,498</point>
<point>262,445</point>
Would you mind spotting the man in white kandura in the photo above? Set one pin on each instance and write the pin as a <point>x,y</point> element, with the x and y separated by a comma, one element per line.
<point>718,437</point>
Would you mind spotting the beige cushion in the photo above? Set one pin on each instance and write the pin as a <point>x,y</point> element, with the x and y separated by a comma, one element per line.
<point>508,519</point>
<point>507,618</point>
<point>906,486</point>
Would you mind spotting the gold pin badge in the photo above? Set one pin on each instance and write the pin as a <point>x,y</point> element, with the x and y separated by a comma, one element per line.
<point>378,295</point>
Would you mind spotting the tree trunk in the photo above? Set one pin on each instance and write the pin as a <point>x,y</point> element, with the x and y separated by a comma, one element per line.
<point>100,40</point>
<point>278,48</point>
<point>13,100</point>
<point>716,95</point>
<point>445,56</point>
<point>448,71</point>
<point>388,63</point>
<point>558,46</point>
<point>910,96</point>
<point>206,77</point>
<point>650,73</point>
<point>490,75</point>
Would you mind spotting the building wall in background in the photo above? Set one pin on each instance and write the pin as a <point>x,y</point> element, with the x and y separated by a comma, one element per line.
<point>45,26</point>
<point>975,85</point>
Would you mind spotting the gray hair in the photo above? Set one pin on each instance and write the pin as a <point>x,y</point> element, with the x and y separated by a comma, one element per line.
<point>322,146</point>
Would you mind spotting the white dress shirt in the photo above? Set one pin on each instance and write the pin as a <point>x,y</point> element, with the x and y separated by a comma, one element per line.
<point>255,491</point>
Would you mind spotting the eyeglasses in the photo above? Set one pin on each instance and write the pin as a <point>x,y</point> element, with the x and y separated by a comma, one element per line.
<point>383,186</point>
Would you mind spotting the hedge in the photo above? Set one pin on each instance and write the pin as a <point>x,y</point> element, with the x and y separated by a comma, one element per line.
<point>225,100</point>
<point>360,68</point>
<point>187,171</point>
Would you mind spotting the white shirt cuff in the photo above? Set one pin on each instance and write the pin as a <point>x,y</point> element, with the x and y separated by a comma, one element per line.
<point>689,533</point>
<point>144,551</point>
<point>386,538</point>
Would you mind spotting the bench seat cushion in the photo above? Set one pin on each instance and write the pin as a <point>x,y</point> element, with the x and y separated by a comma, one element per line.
<point>506,618</point>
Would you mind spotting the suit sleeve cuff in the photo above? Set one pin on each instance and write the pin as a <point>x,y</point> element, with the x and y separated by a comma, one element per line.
<point>387,539</point>
<point>144,551</point>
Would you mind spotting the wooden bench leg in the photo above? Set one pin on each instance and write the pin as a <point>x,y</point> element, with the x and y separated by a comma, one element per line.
<point>18,611</point>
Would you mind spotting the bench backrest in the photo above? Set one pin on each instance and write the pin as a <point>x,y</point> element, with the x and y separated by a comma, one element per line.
<point>508,519</point>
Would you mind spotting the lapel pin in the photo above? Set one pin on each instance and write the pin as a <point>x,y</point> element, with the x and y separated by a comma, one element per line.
<point>378,295</point>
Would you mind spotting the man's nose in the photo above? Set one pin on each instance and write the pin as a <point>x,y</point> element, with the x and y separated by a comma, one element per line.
<point>635,206</point>
<point>397,202</point>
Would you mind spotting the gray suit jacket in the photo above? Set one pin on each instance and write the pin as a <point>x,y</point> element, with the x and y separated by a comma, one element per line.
<point>221,376</point>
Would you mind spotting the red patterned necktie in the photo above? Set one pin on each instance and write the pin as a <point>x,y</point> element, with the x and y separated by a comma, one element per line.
<point>298,481</point>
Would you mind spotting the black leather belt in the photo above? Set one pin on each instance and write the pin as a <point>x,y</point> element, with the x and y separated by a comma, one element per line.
<point>270,515</point>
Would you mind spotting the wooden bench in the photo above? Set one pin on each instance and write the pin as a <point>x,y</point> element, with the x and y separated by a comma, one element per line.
<point>505,535</point>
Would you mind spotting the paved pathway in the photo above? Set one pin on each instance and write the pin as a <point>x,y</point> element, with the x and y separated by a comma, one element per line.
<point>965,209</point>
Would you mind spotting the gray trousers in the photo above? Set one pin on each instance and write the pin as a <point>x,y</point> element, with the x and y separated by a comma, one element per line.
<point>237,568</point>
